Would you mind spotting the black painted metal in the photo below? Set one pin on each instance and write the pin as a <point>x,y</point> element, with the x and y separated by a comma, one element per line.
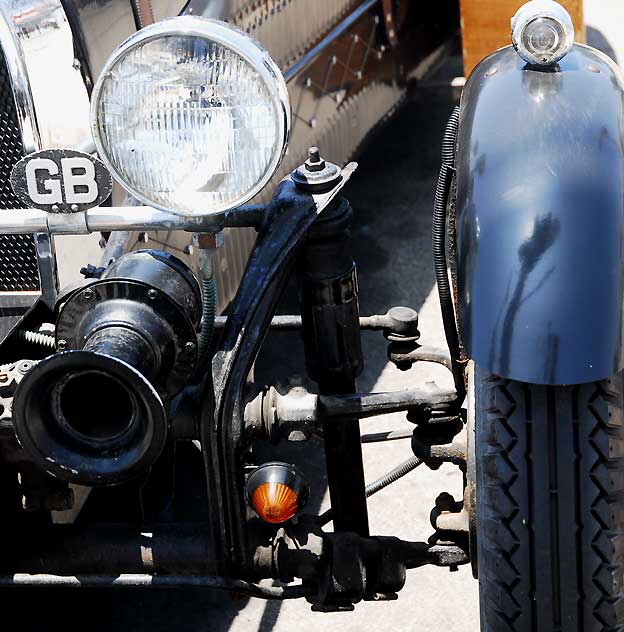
<point>93,414</point>
<point>87,435</point>
<point>289,215</point>
<point>540,230</point>
<point>151,293</point>
<point>390,323</point>
<point>333,350</point>
<point>238,586</point>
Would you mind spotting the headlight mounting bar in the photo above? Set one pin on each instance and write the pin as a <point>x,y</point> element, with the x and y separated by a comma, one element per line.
<point>129,218</point>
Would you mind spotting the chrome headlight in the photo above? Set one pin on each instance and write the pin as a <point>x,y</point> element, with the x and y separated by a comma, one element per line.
<point>191,116</point>
<point>542,32</point>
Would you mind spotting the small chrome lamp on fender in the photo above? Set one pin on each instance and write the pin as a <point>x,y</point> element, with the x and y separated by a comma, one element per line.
<point>542,32</point>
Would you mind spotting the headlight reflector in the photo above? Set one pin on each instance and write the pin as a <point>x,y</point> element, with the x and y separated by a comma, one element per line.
<point>542,32</point>
<point>191,116</point>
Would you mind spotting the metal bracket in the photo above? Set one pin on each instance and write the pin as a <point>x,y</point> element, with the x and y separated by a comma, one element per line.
<point>288,217</point>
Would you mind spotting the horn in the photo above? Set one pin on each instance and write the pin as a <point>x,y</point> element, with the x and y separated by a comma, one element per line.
<point>93,414</point>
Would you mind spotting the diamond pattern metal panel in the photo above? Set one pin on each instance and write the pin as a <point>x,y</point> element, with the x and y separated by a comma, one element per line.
<point>18,258</point>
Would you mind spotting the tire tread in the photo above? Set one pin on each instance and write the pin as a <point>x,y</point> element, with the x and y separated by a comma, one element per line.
<point>550,523</point>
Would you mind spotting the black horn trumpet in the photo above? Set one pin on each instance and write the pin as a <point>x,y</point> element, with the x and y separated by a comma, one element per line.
<point>93,413</point>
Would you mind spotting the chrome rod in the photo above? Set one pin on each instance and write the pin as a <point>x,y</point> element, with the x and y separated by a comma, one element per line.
<point>334,34</point>
<point>102,219</point>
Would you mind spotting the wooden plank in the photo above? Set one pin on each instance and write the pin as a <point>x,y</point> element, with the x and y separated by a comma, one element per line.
<point>486,26</point>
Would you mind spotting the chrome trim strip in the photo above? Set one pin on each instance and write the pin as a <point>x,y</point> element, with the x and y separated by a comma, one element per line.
<point>334,34</point>
<point>39,33</point>
<point>101,219</point>
<point>14,56</point>
<point>35,36</point>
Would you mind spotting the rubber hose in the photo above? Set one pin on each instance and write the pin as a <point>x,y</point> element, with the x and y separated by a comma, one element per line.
<point>443,189</point>
<point>209,313</point>
<point>387,479</point>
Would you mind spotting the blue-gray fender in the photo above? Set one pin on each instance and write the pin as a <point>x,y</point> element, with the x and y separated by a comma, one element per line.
<point>539,218</point>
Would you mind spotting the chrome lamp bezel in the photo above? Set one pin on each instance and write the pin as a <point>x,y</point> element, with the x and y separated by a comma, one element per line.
<point>224,35</point>
<point>535,10</point>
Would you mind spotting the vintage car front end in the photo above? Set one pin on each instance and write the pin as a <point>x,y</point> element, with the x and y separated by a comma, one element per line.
<point>112,352</point>
<point>136,446</point>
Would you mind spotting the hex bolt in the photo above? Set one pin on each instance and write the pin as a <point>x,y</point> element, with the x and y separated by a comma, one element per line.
<point>61,345</point>
<point>316,174</point>
<point>314,161</point>
<point>189,346</point>
<point>87,294</point>
<point>152,294</point>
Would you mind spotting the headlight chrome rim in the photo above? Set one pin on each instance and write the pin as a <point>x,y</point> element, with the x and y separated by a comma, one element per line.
<point>226,36</point>
<point>547,11</point>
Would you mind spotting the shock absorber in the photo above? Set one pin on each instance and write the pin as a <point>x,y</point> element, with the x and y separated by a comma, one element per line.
<point>331,333</point>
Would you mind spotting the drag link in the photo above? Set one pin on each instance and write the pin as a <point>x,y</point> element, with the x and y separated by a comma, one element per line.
<point>273,415</point>
<point>388,322</point>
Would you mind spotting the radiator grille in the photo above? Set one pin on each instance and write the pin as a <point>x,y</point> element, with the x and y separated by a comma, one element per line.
<point>18,257</point>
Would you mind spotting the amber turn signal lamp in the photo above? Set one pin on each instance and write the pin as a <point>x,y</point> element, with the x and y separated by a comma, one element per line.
<point>276,491</point>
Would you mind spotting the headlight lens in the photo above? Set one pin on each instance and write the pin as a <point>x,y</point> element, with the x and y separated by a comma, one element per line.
<point>542,32</point>
<point>191,116</point>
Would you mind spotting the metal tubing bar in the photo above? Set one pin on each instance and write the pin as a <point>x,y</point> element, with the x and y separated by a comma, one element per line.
<point>126,218</point>
<point>288,322</point>
<point>362,405</point>
<point>333,35</point>
<point>390,435</point>
<point>155,581</point>
<point>115,247</point>
<point>249,216</point>
<point>425,354</point>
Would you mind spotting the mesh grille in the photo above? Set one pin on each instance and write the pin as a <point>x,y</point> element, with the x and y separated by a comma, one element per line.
<point>18,257</point>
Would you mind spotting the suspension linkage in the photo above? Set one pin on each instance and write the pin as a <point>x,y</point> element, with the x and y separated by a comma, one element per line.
<point>397,320</point>
<point>273,415</point>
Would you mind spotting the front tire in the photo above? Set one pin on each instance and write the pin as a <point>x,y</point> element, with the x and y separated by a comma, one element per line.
<point>550,505</point>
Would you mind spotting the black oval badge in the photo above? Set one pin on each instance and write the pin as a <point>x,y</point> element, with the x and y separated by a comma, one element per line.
<point>61,181</point>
